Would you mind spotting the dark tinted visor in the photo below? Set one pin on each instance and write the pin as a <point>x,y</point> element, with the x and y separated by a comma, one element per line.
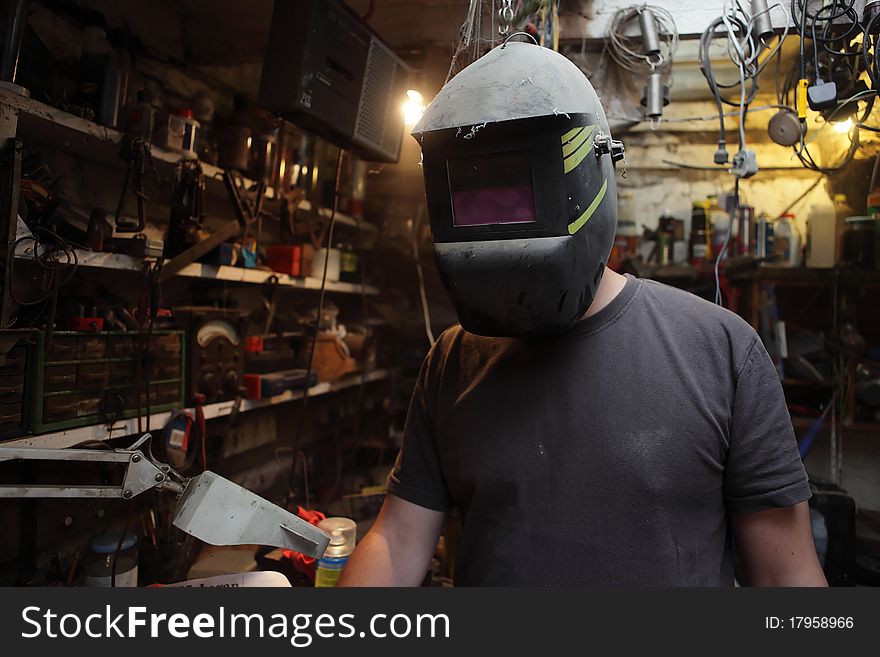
<point>492,189</point>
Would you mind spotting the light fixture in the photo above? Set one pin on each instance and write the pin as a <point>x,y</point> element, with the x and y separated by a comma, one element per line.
<point>843,126</point>
<point>413,107</point>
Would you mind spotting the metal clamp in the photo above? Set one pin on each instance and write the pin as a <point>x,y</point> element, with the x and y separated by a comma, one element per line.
<point>605,145</point>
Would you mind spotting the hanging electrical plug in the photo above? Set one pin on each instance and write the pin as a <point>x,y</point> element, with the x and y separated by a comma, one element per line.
<point>721,155</point>
<point>822,95</point>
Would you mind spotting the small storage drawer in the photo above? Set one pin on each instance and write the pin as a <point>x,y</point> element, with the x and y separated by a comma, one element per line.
<point>59,377</point>
<point>123,372</point>
<point>165,346</point>
<point>11,389</point>
<point>16,360</point>
<point>122,346</point>
<point>165,369</point>
<point>63,348</point>
<point>166,393</point>
<point>10,417</point>
<point>88,404</point>
<point>93,376</point>
<point>91,347</point>
<point>59,408</point>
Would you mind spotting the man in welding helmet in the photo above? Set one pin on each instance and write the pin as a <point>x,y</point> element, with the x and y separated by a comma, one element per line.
<point>589,428</point>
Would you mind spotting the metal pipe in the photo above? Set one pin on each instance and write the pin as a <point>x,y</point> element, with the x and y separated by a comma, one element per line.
<point>14,13</point>
<point>649,32</point>
<point>761,16</point>
<point>655,96</point>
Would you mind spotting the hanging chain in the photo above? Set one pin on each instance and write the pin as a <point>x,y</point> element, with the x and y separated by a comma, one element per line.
<point>505,17</point>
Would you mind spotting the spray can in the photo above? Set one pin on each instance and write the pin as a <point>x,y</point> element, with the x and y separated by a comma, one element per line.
<point>343,536</point>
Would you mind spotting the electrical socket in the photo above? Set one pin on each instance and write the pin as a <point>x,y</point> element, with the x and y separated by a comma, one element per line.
<point>745,164</point>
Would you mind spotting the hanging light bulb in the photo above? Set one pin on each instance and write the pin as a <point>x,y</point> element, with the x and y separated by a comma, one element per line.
<point>843,126</point>
<point>413,107</point>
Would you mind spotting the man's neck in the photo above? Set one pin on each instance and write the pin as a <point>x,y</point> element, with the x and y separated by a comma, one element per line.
<point>610,286</point>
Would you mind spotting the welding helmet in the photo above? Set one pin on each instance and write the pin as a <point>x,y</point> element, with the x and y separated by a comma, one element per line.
<point>518,163</point>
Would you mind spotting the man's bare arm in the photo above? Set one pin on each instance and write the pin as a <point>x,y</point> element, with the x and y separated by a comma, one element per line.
<point>776,547</point>
<point>398,548</point>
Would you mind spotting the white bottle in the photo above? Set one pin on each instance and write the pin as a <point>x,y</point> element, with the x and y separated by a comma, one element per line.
<point>821,234</point>
<point>787,241</point>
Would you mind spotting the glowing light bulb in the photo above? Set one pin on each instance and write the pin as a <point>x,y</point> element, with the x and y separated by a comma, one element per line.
<point>413,107</point>
<point>843,126</point>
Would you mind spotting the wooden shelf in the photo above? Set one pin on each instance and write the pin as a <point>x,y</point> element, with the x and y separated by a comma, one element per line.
<point>56,128</point>
<point>100,432</point>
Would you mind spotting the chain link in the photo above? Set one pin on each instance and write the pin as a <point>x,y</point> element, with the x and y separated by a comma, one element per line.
<point>505,17</point>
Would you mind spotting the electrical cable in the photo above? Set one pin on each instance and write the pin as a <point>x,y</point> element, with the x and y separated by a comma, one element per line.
<point>627,51</point>
<point>723,251</point>
<point>305,399</point>
<point>426,313</point>
<point>801,149</point>
<point>118,549</point>
<point>869,52</point>
<point>710,117</point>
<point>736,25</point>
<point>46,256</point>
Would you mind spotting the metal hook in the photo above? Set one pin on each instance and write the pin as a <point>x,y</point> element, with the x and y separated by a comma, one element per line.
<point>534,40</point>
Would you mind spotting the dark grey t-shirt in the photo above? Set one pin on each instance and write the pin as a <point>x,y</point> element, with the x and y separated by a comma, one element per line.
<point>609,456</point>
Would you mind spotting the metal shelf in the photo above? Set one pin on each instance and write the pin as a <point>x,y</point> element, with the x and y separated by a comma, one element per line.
<point>100,432</point>
<point>53,127</point>
<point>99,260</point>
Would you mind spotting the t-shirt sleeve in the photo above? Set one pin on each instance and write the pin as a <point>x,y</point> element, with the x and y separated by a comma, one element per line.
<point>417,476</point>
<point>763,468</point>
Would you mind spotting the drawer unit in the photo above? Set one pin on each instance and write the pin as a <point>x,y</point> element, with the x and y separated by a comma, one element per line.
<point>91,347</point>
<point>122,346</point>
<point>59,377</point>
<point>17,350</point>
<point>92,378</point>
<point>63,348</point>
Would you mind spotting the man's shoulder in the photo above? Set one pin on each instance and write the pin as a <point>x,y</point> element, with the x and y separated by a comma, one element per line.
<point>687,311</point>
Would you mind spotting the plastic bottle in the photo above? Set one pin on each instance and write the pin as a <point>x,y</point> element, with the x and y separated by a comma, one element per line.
<point>787,241</point>
<point>821,238</point>
<point>343,536</point>
<point>699,248</point>
<point>763,243</point>
<point>140,117</point>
